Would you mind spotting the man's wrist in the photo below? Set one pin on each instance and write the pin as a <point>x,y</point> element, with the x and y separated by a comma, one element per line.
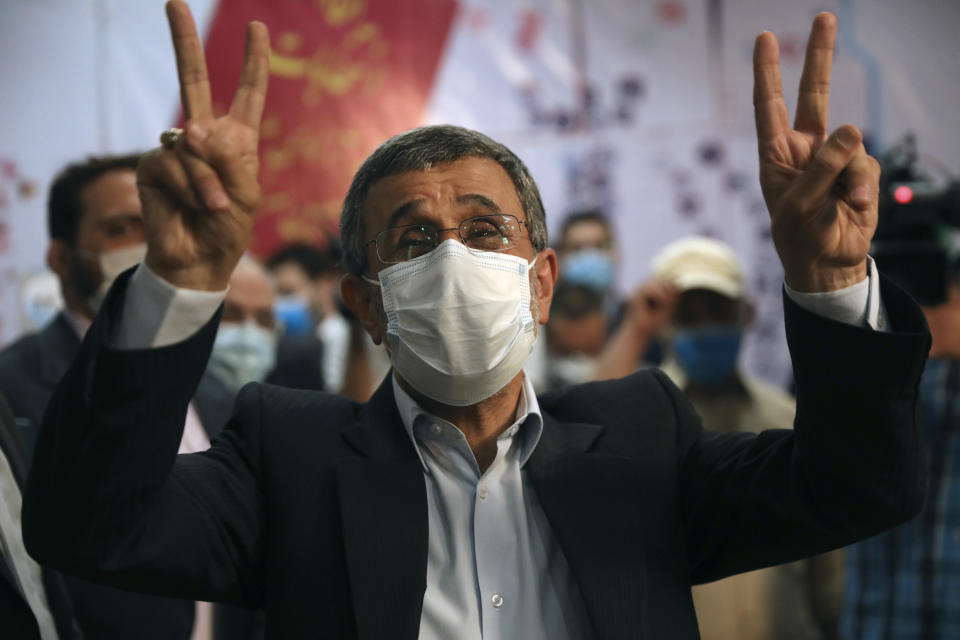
<point>858,304</point>
<point>822,280</point>
<point>157,314</point>
<point>198,277</point>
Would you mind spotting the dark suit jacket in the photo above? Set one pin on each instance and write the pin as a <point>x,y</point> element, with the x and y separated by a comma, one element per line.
<point>16,617</point>
<point>30,370</point>
<point>314,506</point>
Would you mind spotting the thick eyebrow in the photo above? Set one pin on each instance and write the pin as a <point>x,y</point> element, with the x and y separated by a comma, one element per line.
<point>482,200</point>
<point>403,210</point>
<point>124,216</point>
<point>409,208</point>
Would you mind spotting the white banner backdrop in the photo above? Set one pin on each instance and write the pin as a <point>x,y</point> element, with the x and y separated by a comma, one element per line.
<point>641,107</point>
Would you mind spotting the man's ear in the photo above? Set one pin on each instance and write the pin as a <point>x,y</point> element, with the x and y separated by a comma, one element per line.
<point>545,271</point>
<point>58,259</point>
<point>363,299</point>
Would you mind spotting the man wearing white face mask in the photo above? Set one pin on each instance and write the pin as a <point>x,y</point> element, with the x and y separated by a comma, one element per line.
<point>96,232</point>
<point>456,503</point>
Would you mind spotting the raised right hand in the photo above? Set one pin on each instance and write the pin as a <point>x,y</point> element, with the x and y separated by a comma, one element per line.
<point>651,308</point>
<point>200,197</point>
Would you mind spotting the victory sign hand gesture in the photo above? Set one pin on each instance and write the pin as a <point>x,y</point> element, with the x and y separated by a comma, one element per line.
<point>199,191</point>
<point>821,191</point>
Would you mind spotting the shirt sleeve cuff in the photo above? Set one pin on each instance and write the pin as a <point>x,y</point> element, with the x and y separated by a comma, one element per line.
<point>156,313</point>
<point>858,304</point>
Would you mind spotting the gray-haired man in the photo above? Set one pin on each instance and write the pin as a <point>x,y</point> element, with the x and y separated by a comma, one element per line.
<point>456,503</point>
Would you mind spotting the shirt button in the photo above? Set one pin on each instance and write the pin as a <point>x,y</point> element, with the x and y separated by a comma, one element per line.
<point>483,492</point>
<point>496,601</point>
<point>437,429</point>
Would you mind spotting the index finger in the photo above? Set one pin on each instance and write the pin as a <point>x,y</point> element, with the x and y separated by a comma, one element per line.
<point>251,93</point>
<point>191,65</point>
<point>770,111</point>
<point>813,101</point>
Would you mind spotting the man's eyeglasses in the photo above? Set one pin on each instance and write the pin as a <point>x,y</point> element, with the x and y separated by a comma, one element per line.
<point>493,232</point>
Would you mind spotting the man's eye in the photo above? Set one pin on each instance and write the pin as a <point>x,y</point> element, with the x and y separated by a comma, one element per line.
<point>123,229</point>
<point>484,231</point>
<point>412,243</point>
<point>408,242</point>
<point>414,238</point>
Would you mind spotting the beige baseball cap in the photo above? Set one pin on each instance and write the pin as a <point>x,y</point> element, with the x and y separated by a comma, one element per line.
<point>697,262</point>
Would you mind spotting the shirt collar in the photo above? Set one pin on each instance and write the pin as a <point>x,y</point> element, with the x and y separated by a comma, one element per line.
<point>528,421</point>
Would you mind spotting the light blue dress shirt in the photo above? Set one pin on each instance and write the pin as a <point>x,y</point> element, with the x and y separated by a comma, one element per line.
<point>494,568</point>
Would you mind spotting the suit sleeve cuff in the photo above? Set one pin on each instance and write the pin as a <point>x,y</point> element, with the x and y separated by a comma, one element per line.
<point>859,304</point>
<point>156,313</point>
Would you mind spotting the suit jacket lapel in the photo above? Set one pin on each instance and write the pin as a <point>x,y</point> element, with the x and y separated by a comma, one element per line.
<point>593,503</point>
<point>383,508</point>
<point>59,344</point>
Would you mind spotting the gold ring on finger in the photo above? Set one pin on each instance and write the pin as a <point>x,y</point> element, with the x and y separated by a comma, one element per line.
<point>169,137</point>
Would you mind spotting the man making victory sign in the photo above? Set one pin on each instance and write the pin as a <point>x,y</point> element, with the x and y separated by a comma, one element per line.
<point>457,503</point>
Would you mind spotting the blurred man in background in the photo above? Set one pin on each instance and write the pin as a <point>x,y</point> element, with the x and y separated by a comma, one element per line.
<point>587,256</point>
<point>905,583</point>
<point>249,345</point>
<point>697,302</point>
<point>307,280</point>
<point>96,233</point>
<point>34,604</point>
<point>308,307</point>
<point>574,337</point>
<point>710,315</point>
<point>585,306</point>
<point>246,346</point>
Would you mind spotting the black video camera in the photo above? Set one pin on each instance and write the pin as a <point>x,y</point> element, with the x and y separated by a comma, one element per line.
<point>911,245</point>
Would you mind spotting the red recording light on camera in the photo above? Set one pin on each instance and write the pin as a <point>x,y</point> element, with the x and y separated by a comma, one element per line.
<point>903,194</point>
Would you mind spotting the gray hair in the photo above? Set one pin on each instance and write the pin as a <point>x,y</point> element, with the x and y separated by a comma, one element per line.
<point>418,150</point>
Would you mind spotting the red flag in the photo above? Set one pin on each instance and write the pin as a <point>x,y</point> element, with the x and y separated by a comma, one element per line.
<point>344,76</point>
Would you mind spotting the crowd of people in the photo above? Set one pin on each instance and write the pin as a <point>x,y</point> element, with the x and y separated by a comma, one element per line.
<point>382,488</point>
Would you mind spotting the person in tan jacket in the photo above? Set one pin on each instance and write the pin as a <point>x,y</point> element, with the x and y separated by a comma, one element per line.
<point>696,304</point>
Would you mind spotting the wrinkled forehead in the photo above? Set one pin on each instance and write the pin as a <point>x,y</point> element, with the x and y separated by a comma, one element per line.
<point>443,195</point>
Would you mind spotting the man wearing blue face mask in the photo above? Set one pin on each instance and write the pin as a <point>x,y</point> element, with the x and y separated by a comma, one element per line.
<point>709,316</point>
<point>586,252</point>
<point>456,503</point>
<point>706,316</point>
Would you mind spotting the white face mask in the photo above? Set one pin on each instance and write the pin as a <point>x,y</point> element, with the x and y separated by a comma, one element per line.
<point>459,326</point>
<point>242,353</point>
<point>573,368</point>
<point>112,264</point>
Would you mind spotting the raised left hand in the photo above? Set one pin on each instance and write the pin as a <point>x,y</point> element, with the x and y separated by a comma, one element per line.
<point>821,191</point>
